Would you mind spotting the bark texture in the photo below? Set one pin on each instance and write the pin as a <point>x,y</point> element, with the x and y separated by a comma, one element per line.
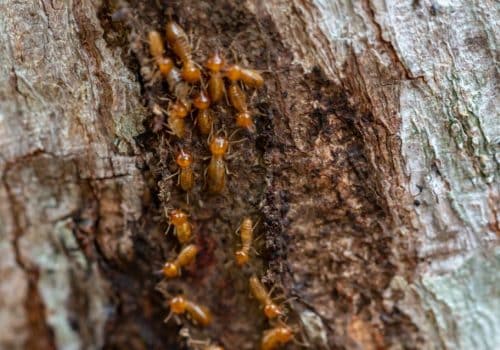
<point>69,110</point>
<point>373,172</point>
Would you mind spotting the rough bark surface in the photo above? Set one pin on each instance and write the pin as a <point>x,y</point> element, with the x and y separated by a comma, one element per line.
<point>373,172</point>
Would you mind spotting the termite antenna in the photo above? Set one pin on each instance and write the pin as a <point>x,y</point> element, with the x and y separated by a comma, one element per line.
<point>171,176</point>
<point>304,343</point>
<point>168,228</point>
<point>169,316</point>
<point>289,300</point>
<point>169,12</point>
<point>157,272</point>
<point>255,250</point>
<point>272,289</point>
<point>232,135</point>
<point>299,343</point>
<point>256,223</point>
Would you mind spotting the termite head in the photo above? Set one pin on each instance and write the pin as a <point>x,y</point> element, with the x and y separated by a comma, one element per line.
<point>165,65</point>
<point>219,146</point>
<point>190,72</point>
<point>284,334</point>
<point>177,217</point>
<point>201,101</point>
<point>241,257</point>
<point>170,270</point>
<point>272,311</point>
<point>178,110</point>
<point>244,120</point>
<point>214,347</point>
<point>214,62</point>
<point>178,305</point>
<point>184,159</point>
<point>233,72</point>
<point>276,336</point>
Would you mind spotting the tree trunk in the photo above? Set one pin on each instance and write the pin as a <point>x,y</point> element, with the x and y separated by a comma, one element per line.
<point>372,175</point>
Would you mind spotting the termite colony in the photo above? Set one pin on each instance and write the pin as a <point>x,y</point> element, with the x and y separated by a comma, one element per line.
<point>197,90</point>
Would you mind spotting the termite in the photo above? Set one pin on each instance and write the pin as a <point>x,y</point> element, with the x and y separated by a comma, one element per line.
<point>214,64</point>
<point>186,176</point>
<point>157,51</point>
<point>238,100</point>
<point>176,113</point>
<point>179,219</point>
<point>204,118</point>
<point>271,310</point>
<point>246,234</point>
<point>249,77</point>
<point>217,167</point>
<point>275,337</point>
<point>179,42</point>
<point>186,256</point>
<point>179,305</point>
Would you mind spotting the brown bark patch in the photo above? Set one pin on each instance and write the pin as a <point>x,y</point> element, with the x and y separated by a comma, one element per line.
<point>306,175</point>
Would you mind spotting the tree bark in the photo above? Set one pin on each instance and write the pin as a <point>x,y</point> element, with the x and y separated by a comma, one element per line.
<point>373,175</point>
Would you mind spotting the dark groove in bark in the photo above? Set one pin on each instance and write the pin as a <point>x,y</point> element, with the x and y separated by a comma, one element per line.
<point>41,336</point>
